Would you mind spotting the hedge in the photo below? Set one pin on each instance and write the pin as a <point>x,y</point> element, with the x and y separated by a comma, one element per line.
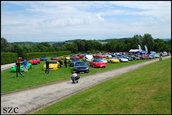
<point>47,54</point>
<point>7,57</point>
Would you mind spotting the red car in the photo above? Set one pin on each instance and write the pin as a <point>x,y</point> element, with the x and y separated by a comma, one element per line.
<point>34,61</point>
<point>54,58</point>
<point>97,63</point>
<point>97,56</point>
<point>75,56</point>
<point>80,55</point>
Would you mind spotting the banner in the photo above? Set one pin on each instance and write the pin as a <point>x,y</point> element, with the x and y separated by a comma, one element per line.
<point>140,49</point>
<point>146,49</point>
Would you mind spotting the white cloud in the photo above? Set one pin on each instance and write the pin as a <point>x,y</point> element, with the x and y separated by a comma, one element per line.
<point>70,20</point>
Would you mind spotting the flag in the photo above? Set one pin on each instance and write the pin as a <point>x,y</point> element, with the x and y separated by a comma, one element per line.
<point>140,49</point>
<point>146,49</point>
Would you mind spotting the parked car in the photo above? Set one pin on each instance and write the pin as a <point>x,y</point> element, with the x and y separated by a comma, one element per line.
<point>81,55</point>
<point>53,65</point>
<point>107,56</point>
<point>34,61</point>
<point>103,60</point>
<point>63,57</point>
<point>43,58</point>
<point>129,58</point>
<point>122,59</point>
<point>81,67</point>
<point>98,56</point>
<point>75,56</point>
<point>112,60</point>
<point>87,57</point>
<point>72,61</point>
<point>97,63</point>
<point>29,66</point>
<point>54,58</point>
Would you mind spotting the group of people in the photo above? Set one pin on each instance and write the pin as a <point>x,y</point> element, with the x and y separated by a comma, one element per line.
<point>74,76</point>
<point>60,65</point>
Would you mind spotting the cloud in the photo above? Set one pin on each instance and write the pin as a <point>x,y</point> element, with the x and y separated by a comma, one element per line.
<point>56,20</point>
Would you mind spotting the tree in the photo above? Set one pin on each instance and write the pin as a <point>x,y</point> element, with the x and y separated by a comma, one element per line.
<point>4,44</point>
<point>148,41</point>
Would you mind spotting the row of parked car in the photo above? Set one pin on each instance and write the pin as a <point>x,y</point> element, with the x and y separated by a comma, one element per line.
<point>78,62</point>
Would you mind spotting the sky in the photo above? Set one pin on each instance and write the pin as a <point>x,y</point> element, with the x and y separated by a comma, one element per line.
<point>45,21</point>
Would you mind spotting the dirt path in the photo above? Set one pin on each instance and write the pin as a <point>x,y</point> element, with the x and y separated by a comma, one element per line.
<point>6,66</point>
<point>30,100</point>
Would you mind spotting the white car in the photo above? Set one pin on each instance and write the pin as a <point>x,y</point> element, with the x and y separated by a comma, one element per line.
<point>123,59</point>
<point>107,56</point>
<point>87,58</point>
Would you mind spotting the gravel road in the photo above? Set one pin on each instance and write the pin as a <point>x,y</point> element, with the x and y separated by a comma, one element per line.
<point>31,100</point>
<point>6,66</point>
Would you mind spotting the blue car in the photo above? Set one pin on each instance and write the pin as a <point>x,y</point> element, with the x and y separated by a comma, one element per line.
<point>43,58</point>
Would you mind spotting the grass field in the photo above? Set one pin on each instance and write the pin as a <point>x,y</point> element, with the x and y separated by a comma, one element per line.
<point>146,90</point>
<point>36,75</point>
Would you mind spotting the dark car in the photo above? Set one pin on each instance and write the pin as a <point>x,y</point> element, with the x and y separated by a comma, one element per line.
<point>81,67</point>
<point>72,61</point>
<point>43,58</point>
<point>129,58</point>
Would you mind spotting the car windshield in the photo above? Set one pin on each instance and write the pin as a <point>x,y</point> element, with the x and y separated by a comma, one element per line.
<point>52,62</point>
<point>80,64</point>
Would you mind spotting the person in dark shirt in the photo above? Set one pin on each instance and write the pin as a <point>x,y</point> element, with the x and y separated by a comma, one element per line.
<point>65,62</point>
<point>61,63</point>
<point>47,66</point>
<point>18,69</point>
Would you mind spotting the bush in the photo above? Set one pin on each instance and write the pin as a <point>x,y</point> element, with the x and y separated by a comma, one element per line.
<point>8,57</point>
<point>47,54</point>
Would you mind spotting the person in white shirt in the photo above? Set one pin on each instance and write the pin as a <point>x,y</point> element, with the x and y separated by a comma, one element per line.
<point>73,77</point>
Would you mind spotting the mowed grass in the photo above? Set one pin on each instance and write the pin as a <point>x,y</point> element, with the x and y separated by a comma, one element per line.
<point>146,90</point>
<point>36,76</point>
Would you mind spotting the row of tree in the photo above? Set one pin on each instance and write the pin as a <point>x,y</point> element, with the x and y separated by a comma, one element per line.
<point>125,45</point>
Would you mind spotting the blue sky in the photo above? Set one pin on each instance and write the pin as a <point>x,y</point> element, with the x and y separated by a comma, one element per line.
<point>41,21</point>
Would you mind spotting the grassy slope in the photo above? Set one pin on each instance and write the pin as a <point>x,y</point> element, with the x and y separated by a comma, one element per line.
<point>36,75</point>
<point>146,90</point>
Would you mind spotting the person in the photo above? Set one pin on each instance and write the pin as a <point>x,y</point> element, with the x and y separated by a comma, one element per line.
<point>18,68</point>
<point>160,57</point>
<point>73,76</point>
<point>47,66</point>
<point>61,63</point>
<point>25,65</point>
<point>65,62</point>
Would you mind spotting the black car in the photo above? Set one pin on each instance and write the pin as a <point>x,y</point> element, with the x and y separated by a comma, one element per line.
<point>72,59</point>
<point>81,67</point>
<point>43,58</point>
<point>73,62</point>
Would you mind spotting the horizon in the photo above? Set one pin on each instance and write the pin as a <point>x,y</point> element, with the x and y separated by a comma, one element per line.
<point>86,39</point>
<point>42,21</point>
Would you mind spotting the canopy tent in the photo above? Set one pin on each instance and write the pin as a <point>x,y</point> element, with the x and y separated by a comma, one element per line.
<point>134,50</point>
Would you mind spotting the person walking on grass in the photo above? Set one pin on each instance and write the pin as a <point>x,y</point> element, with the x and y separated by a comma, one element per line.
<point>65,63</point>
<point>47,67</point>
<point>25,65</point>
<point>74,77</point>
<point>160,57</point>
<point>18,68</point>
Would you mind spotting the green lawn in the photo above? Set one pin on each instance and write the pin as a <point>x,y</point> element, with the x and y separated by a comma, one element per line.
<point>36,75</point>
<point>146,90</point>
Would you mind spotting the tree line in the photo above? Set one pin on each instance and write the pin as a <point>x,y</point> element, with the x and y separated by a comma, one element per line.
<point>113,45</point>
